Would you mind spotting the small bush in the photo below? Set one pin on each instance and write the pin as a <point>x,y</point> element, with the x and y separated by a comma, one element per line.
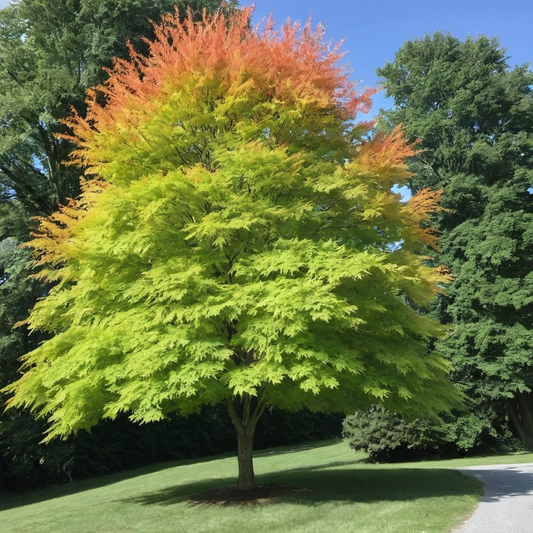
<point>386,437</point>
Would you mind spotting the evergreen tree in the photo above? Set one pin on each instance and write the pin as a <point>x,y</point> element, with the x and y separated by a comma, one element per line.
<point>474,116</point>
<point>236,246</point>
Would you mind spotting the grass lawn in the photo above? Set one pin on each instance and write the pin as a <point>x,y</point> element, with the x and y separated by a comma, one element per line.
<point>347,495</point>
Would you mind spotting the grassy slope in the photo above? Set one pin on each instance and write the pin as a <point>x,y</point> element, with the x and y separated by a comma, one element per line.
<point>346,495</point>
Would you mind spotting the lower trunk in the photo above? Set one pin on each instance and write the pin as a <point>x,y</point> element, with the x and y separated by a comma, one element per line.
<point>514,417</point>
<point>245,413</point>
<point>520,411</point>
<point>526,412</point>
<point>246,464</point>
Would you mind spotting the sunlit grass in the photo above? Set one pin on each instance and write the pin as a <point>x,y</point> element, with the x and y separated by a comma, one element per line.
<point>346,495</point>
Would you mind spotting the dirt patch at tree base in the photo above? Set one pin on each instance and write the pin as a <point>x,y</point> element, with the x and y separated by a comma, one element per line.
<point>259,495</point>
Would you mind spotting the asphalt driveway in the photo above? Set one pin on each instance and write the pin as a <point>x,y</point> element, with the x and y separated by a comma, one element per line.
<point>507,505</point>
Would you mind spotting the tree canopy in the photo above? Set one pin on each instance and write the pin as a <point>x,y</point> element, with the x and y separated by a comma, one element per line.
<point>238,243</point>
<point>474,116</point>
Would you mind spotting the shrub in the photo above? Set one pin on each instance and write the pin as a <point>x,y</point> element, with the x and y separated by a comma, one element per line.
<point>386,437</point>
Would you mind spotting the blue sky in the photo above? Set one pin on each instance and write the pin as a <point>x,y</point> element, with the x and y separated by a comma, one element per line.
<point>374,30</point>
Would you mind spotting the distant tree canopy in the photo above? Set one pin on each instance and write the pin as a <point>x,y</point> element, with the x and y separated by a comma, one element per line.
<point>474,116</point>
<point>238,245</point>
<point>50,53</point>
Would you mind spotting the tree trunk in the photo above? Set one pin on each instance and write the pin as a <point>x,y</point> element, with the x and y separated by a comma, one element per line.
<point>245,445</point>
<point>512,410</point>
<point>520,410</point>
<point>524,400</point>
<point>245,413</point>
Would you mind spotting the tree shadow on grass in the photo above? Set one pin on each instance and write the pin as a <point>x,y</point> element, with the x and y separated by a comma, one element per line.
<point>362,485</point>
<point>503,481</point>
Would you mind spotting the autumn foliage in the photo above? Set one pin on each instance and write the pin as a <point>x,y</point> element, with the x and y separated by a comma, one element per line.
<point>200,65</point>
<point>237,242</point>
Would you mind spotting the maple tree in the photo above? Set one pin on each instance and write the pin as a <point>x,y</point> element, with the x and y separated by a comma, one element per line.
<point>238,243</point>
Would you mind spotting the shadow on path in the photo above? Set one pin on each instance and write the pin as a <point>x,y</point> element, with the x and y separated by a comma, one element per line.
<point>503,481</point>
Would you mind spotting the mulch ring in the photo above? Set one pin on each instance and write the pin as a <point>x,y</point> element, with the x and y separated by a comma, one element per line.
<point>233,496</point>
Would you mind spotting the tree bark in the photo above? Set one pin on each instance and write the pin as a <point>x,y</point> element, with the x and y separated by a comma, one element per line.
<point>245,445</point>
<point>244,413</point>
<point>512,410</point>
<point>526,412</point>
<point>520,410</point>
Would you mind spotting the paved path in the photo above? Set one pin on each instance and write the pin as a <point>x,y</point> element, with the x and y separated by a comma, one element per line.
<point>507,506</point>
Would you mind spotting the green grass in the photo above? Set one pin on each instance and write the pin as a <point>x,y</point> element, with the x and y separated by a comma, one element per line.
<point>347,495</point>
